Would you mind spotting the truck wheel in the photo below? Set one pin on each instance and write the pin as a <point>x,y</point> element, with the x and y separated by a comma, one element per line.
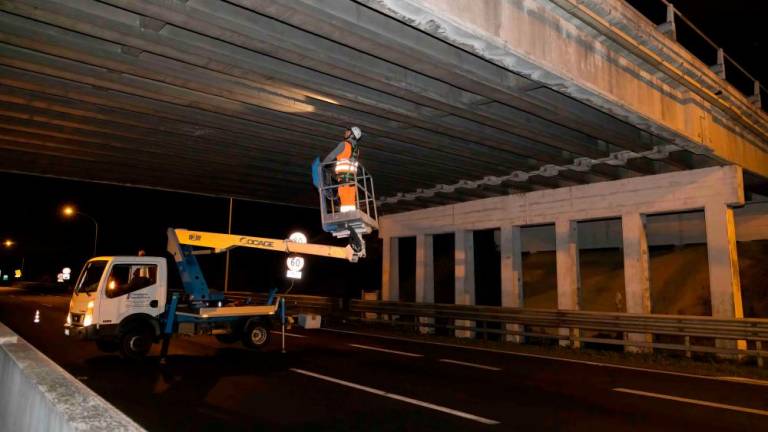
<point>135,343</point>
<point>108,345</point>
<point>256,335</point>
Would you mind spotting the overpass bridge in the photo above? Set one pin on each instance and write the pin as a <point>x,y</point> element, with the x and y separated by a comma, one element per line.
<point>467,105</point>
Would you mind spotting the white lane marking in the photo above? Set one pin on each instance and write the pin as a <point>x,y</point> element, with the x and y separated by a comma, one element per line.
<point>692,401</point>
<point>288,334</point>
<point>745,380</point>
<point>540,356</point>
<point>386,350</point>
<point>474,365</point>
<point>400,398</point>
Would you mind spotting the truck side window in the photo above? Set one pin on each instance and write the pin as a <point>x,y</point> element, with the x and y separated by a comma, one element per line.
<point>127,278</point>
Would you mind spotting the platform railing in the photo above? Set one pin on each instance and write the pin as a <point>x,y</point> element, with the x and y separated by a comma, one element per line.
<point>674,18</point>
<point>362,181</point>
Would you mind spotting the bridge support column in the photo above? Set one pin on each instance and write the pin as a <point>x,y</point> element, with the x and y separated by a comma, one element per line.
<point>425,277</point>
<point>390,274</point>
<point>637,284</point>
<point>464,258</point>
<point>512,275</point>
<point>568,278</point>
<point>724,282</point>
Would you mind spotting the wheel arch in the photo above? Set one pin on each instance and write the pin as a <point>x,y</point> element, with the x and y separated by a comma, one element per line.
<point>140,319</point>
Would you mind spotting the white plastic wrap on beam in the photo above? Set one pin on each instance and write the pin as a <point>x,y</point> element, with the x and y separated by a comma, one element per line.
<point>581,164</point>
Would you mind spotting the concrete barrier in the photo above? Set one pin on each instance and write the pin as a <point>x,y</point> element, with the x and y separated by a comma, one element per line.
<point>38,395</point>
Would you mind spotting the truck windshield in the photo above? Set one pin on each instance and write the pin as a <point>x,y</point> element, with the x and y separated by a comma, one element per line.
<point>90,277</point>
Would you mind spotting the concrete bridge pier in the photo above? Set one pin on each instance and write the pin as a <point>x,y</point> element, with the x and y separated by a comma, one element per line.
<point>715,190</point>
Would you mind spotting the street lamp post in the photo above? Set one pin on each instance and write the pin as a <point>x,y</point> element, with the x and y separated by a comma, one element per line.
<point>70,211</point>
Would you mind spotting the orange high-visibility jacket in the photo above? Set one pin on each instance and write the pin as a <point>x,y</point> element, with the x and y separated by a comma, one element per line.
<point>346,157</point>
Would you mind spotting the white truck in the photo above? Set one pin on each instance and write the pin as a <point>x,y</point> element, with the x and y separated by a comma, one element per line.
<point>125,303</point>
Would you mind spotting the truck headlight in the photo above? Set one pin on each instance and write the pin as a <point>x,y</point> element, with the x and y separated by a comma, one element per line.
<point>69,318</point>
<point>88,319</point>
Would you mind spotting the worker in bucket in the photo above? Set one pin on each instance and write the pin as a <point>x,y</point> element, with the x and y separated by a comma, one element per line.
<point>345,154</point>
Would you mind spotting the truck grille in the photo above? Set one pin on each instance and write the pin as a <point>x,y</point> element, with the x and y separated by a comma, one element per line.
<point>77,318</point>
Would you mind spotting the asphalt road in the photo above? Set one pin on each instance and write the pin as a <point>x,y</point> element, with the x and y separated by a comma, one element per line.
<point>339,381</point>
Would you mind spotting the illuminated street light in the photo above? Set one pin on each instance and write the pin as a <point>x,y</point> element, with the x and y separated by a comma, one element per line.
<point>70,211</point>
<point>9,243</point>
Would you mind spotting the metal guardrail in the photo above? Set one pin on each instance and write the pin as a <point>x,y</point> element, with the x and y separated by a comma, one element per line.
<point>696,334</point>
<point>683,333</point>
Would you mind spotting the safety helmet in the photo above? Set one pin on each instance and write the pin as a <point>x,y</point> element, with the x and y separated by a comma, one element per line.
<point>356,132</point>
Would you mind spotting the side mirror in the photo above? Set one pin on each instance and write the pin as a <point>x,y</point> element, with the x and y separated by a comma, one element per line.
<point>153,304</point>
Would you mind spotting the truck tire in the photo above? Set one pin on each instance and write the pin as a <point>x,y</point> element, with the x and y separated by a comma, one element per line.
<point>108,345</point>
<point>135,343</point>
<point>256,334</point>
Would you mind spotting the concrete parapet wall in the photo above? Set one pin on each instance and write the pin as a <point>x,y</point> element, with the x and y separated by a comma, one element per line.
<point>38,395</point>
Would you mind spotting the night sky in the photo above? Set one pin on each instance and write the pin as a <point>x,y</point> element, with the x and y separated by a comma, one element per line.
<point>132,218</point>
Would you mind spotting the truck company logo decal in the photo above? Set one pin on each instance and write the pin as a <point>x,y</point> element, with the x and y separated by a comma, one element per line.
<point>254,242</point>
<point>195,237</point>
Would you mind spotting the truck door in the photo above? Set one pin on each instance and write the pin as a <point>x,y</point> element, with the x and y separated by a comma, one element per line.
<point>132,288</point>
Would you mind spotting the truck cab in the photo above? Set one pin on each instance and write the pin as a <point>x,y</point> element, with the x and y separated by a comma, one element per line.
<point>122,303</point>
<point>118,295</point>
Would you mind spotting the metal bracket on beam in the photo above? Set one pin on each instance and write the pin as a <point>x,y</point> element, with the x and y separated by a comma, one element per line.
<point>755,99</point>
<point>518,176</point>
<point>719,67</point>
<point>582,164</point>
<point>548,170</point>
<point>491,180</point>
<point>660,152</point>
<point>668,27</point>
<point>619,158</point>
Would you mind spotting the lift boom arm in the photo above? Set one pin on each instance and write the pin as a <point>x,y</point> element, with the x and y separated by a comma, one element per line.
<point>224,242</point>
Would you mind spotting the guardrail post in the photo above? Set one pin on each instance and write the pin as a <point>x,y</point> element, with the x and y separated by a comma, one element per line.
<point>759,349</point>
<point>688,346</point>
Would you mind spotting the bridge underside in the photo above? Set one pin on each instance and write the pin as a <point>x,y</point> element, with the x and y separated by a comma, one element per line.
<point>236,98</point>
